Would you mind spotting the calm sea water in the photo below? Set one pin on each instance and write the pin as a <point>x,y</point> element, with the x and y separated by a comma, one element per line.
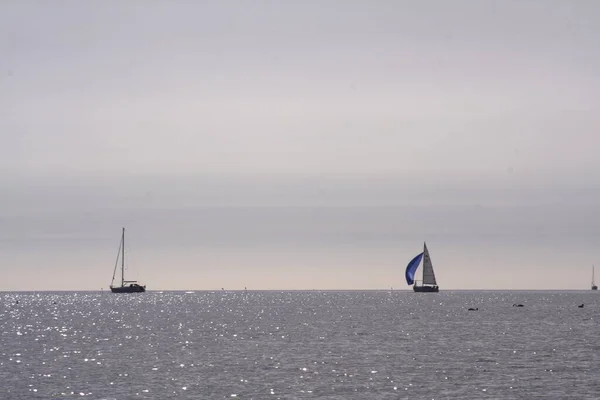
<point>300,345</point>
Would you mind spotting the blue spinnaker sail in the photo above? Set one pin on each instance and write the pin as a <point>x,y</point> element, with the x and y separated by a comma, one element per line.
<point>411,268</point>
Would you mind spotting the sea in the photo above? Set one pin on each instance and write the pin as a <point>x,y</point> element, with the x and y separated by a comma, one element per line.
<point>391,344</point>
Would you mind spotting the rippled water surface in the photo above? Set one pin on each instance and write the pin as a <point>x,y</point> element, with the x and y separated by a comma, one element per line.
<point>326,345</point>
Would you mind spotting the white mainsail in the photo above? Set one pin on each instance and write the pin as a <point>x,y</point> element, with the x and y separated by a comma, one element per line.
<point>428,274</point>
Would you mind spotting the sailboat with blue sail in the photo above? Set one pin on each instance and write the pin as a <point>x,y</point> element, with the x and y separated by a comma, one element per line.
<point>428,283</point>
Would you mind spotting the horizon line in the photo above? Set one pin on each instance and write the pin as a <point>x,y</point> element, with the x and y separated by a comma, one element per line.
<point>291,290</point>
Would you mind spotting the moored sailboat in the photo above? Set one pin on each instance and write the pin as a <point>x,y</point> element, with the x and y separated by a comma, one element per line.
<point>594,287</point>
<point>126,286</point>
<point>428,283</point>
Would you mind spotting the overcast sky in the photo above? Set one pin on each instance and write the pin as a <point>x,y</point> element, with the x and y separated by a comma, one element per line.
<point>299,145</point>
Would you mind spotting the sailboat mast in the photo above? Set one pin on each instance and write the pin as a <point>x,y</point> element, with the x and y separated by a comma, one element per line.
<point>123,258</point>
<point>425,254</point>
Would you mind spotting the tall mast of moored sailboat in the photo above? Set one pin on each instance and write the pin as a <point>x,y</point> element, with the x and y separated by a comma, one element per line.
<point>123,259</point>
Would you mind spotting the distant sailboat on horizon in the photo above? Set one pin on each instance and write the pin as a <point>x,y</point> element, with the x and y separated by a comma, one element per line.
<point>126,286</point>
<point>594,287</point>
<point>429,283</point>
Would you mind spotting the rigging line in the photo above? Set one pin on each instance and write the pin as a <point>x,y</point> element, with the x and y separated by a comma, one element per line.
<point>116,263</point>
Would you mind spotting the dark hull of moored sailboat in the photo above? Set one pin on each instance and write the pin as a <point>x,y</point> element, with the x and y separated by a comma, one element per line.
<point>426,289</point>
<point>594,287</point>
<point>128,289</point>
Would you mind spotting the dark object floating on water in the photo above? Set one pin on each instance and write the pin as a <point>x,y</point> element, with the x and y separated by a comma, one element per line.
<point>474,309</point>
<point>429,283</point>
<point>580,306</point>
<point>518,305</point>
<point>126,286</point>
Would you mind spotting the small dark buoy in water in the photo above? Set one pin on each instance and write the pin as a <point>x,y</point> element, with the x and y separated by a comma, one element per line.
<point>580,306</point>
<point>474,309</point>
<point>518,305</point>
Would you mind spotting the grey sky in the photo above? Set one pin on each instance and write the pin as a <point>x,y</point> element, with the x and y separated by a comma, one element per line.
<point>344,133</point>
